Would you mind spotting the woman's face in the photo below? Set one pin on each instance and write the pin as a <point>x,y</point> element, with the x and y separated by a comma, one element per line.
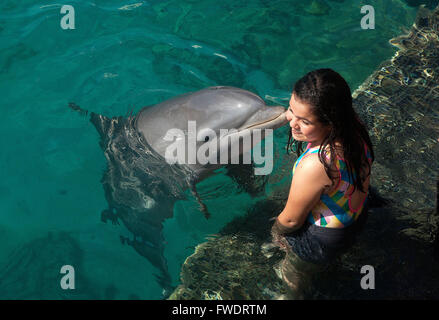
<point>304,124</point>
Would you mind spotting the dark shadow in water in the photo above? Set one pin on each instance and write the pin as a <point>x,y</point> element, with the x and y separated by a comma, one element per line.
<point>404,265</point>
<point>436,237</point>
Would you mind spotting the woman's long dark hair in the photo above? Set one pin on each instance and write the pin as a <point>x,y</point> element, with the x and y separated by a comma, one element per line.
<point>329,97</point>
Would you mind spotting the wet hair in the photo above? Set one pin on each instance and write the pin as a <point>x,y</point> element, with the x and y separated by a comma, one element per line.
<point>330,99</point>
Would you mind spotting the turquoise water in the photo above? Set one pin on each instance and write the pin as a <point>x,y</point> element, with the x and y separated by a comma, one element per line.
<point>123,56</point>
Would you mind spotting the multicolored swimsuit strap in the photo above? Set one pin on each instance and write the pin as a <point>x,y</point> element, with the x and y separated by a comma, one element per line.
<point>304,155</point>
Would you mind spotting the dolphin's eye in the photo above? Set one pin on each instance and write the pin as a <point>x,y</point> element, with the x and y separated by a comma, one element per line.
<point>206,139</point>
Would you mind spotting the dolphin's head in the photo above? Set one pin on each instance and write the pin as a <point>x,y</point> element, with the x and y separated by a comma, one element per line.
<point>196,121</point>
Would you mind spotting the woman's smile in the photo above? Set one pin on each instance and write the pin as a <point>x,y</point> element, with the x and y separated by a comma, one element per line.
<point>304,125</point>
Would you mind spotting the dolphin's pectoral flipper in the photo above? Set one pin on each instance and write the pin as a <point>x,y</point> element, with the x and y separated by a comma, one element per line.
<point>124,240</point>
<point>107,214</point>
<point>203,207</point>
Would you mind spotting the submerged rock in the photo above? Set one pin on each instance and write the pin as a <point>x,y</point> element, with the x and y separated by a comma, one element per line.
<point>399,103</point>
<point>207,277</point>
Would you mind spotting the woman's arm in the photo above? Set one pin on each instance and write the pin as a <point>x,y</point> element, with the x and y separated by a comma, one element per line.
<point>309,181</point>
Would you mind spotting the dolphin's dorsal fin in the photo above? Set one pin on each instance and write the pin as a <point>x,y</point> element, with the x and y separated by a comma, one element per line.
<point>203,207</point>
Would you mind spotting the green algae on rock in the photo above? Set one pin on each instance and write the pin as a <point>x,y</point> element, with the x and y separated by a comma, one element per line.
<point>212,272</point>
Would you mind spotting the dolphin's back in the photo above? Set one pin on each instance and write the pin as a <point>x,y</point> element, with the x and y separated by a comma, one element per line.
<point>213,108</point>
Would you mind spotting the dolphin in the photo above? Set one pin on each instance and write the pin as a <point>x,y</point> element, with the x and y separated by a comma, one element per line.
<point>141,186</point>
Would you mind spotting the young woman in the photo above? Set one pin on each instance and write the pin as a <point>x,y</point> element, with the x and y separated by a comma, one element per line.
<point>329,188</point>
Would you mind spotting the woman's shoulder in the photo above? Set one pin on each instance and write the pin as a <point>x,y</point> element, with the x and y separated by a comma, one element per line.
<point>311,162</point>
<point>311,170</point>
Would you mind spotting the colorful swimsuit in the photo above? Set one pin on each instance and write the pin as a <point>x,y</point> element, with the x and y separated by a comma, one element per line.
<point>334,210</point>
<point>332,225</point>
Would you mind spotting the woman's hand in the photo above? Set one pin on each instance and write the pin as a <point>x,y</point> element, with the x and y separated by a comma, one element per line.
<point>277,234</point>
